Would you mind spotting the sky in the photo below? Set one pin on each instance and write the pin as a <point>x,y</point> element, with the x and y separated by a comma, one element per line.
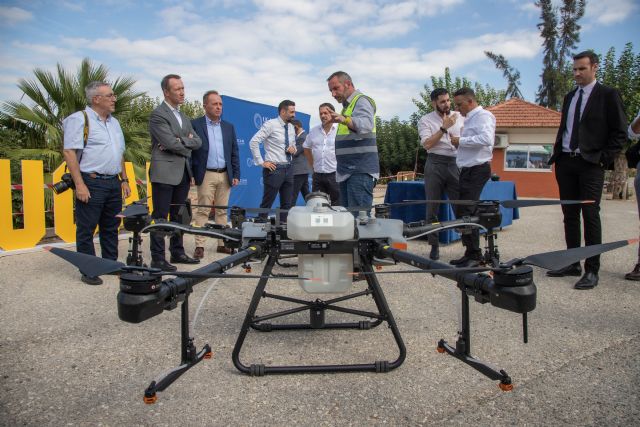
<point>269,50</point>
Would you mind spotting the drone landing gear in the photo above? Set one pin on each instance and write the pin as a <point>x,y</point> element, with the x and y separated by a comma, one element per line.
<point>134,257</point>
<point>462,350</point>
<point>189,357</point>
<point>317,310</point>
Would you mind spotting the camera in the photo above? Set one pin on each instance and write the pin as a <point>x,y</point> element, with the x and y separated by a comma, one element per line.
<point>65,183</point>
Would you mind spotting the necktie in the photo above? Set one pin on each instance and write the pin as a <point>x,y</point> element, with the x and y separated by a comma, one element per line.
<point>573,144</point>
<point>178,117</point>
<point>286,141</point>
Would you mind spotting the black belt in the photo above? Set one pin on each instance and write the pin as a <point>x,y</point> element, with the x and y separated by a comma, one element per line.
<point>324,173</point>
<point>441,158</point>
<point>217,170</point>
<point>571,154</point>
<point>474,166</point>
<point>96,175</point>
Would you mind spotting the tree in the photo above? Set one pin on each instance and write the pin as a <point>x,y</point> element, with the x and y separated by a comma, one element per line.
<point>511,74</point>
<point>52,97</point>
<point>485,95</point>
<point>398,141</point>
<point>624,75</point>
<point>559,42</point>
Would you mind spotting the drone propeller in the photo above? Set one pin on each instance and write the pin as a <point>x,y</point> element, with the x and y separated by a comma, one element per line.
<point>93,266</point>
<point>88,265</point>
<point>509,204</point>
<point>249,210</point>
<point>137,208</point>
<point>428,270</point>
<point>559,259</point>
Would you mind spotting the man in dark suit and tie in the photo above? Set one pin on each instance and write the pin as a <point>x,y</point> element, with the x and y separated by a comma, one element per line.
<point>172,140</point>
<point>591,134</point>
<point>216,166</point>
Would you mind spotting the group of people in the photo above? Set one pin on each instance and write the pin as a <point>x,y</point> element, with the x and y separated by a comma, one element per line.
<point>341,152</point>
<point>342,155</point>
<point>592,132</point>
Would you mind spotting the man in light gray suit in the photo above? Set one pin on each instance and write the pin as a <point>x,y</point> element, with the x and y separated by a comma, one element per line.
<point>172,140</point>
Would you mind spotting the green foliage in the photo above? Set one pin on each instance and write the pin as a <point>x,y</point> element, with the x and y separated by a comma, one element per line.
<point>52,97</point>
<point>398,143</point>
<point>511,74</point>
<point>559,42</point>
<point>624,75</point>
<point>485,95</point>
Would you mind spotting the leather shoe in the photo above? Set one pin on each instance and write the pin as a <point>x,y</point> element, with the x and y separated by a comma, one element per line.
<point>184,259</point>
<point>198,253</point>
<point>163,265</point>
<point>470,262</point>
<point>91,280</point>
<point>570,270</point>
<point>435,253</point>
<point>224,250</point>
<point>465,261</point>
<point>634,275</point>
<point>588,281</point>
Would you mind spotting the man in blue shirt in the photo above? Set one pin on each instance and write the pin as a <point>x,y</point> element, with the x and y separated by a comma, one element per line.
<point>97,169</point>
<point>216,166</point>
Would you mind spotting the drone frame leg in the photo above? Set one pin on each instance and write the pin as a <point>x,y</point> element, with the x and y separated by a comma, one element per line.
<point>189,356</point>
<point>317,322</point>
<point>462,350</point>
<point>134,257</point>
<point>491,254</point>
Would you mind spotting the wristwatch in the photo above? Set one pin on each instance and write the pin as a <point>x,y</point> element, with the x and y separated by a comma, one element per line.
<point>443,129</point>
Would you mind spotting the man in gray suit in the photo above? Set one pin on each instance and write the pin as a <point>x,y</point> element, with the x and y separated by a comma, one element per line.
<point>172,140</point>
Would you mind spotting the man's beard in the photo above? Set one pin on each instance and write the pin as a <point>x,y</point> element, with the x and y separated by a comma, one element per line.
<point>446,111</point>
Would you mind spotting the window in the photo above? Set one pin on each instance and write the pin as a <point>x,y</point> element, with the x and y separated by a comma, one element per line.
<point>529,157</point>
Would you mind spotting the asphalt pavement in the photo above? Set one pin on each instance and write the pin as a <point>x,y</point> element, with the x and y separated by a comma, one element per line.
<point>67,359</point>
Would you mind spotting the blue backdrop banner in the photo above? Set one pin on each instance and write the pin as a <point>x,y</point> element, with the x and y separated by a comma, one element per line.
<point>247,118</point>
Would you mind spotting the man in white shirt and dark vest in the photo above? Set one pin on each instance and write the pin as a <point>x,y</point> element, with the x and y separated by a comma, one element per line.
<point>94,149</point>
<point>441,173</point>
<point>475,151</point>
<point>279,139</point>
<point>358,166</point>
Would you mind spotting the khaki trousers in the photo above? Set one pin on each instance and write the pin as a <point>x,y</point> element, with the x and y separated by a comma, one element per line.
<point>215,187</point>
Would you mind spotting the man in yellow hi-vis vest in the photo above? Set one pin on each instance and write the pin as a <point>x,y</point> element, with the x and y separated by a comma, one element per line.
<point>358,166</point>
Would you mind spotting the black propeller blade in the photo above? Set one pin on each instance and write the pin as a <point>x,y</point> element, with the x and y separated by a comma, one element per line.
<point>248,210</point>
<point>134,209</point>
<point>430,271</point>
<point>509,204</point>
<point>196,275</point>
<point>93,266</point>
<point>559,259</point>
<point>88,265</point>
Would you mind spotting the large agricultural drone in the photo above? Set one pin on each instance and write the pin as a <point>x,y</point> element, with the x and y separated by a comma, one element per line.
<point>330,244</point>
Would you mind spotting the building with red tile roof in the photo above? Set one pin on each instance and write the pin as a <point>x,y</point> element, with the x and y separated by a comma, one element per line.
<point>525,134</point>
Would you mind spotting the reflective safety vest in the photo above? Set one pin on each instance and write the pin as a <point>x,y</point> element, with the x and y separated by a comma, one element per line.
<point>356,153</point>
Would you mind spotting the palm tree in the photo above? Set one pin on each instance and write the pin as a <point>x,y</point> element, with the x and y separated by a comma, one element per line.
<point>52,97</point>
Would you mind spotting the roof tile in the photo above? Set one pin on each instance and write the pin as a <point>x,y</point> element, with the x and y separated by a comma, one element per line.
<point>517,113</point>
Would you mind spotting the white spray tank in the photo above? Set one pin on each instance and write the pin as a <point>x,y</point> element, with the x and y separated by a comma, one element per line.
<point>318,221</point>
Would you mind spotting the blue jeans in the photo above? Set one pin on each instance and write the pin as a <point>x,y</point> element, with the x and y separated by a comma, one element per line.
<point>357,190</point>
<point>101,210</point>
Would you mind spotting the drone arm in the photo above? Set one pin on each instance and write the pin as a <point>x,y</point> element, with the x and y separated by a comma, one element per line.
<point>229,233</point>
<point>411,231</point>
<point>510,289</point>
<point>135,307</point>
